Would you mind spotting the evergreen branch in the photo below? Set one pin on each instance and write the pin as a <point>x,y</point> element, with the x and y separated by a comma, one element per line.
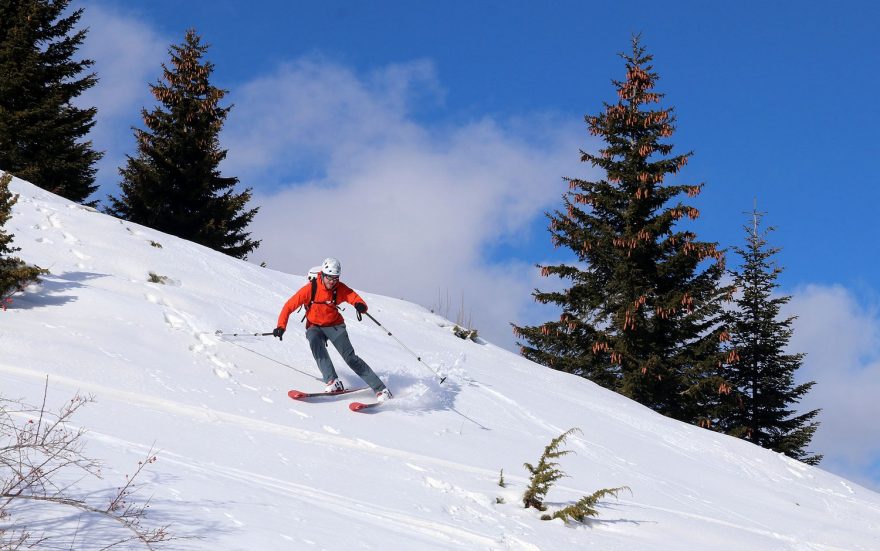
<point>585,506</point>
<point>546,473</point>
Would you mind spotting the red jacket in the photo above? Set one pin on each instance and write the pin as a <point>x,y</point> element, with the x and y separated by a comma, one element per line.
<point>320,312</point>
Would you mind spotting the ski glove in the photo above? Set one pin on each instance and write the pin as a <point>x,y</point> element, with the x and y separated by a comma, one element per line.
<point>278,332</point>
<point>360,307</point>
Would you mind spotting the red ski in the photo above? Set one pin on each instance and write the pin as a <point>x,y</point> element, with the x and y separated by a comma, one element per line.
<point>300,395</point>
<point>358,406</point>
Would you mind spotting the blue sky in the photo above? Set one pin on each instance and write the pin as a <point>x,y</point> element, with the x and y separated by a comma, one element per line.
<point>421,143</point>
<point>773,98</point>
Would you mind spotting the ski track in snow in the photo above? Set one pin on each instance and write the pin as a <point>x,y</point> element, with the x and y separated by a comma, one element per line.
<point>342,504</point>
<point>385,518</point>
<point>205,414</point>
<point>179,320</point>
<point>522,411</point>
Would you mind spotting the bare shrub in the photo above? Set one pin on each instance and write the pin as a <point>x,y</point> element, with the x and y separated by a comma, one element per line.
<point>42,463</point>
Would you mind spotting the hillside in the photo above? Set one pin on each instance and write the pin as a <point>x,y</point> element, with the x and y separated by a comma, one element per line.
<point>241,466</point>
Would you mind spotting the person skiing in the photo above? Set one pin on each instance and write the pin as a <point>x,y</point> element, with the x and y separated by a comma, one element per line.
<point>324,322</point>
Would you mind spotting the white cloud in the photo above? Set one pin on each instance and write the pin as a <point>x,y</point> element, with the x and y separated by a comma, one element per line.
<point>841,337</point>
<point>128,56</point>
<point>342,166</point>
<point>313,109</point>
<point>409,209</point>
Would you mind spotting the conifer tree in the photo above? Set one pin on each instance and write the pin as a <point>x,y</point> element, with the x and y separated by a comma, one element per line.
<point>642,314</point>
<point>41,130</point>
<point>546,472</point>
<point>14,273</point>
<point>174,184</point>
<point>762,373</point>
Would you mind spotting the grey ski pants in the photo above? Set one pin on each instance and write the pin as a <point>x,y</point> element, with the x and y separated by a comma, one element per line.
<point>338,335</point>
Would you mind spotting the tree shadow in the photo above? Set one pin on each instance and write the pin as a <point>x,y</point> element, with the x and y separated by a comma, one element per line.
<point>66,525</point>
<point>611,522</point>
<point>607,507</point>
<point>54,290</point>
<point>592,522</point>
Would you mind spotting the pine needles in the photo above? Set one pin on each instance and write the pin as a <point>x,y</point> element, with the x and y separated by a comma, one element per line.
<point>15,274</point>
<point>547,472</point>
<point>585,507</point>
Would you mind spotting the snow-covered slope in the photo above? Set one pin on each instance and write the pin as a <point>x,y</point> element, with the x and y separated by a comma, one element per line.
<point>241,466</point>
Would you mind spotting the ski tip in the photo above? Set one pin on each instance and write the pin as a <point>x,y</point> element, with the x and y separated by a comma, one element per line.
<point>296,394</point>
<point>357,406</point>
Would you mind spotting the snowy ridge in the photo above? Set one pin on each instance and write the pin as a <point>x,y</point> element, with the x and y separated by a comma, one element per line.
<point>242,466</point>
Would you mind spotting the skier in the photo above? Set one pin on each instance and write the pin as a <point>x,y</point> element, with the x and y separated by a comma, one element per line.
<point>324,322</point>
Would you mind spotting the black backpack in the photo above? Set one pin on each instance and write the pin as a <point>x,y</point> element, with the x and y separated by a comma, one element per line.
<point>314,282</point>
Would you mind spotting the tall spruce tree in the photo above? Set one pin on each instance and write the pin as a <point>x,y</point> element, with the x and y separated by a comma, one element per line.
<point>174,184</point>
<point>15,274</point>
<point>642,313</point>
<point>761,373</point>
<point>41,130</point>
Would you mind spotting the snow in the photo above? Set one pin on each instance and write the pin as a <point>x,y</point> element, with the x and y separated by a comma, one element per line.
<point>242,466</point>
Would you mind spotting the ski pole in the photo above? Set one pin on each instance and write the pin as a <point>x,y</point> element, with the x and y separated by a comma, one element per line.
<point>405,347</point>
<point>221,333</point>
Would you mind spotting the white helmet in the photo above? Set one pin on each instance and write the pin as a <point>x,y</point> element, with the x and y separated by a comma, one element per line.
<point>331,267</point>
